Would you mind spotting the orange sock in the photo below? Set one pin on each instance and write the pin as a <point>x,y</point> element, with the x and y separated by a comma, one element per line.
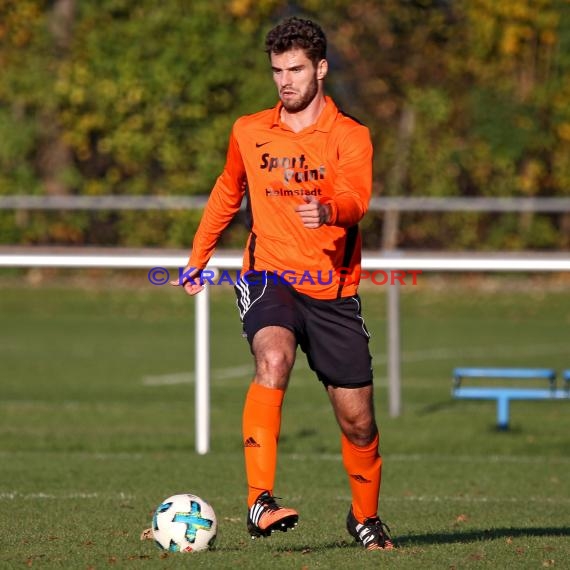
<point>261,426</point>
<point>364,468</point>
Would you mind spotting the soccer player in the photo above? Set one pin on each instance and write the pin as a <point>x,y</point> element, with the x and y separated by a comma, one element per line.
<point>305,169</point>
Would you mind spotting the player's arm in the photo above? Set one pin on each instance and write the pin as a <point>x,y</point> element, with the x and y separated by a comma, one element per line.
<point>352,186</point>
<point>353,180</point>
<point>223,203</point>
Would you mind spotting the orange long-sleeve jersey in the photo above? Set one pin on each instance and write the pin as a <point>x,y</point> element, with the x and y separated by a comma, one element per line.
<point>276,168</point>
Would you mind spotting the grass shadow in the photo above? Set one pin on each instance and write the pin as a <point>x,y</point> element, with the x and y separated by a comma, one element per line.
<point>435,407</point>
<point>436,538</point>
<point>478,535</point>
<point>308,548</point>
<point>448,404</point>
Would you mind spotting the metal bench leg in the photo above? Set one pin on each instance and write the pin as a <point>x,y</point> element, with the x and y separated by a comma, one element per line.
<point>503,413</point>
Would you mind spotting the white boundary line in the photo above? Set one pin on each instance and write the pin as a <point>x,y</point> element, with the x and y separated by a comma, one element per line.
<point>17,495</point>
<point>467,499</point>
<point>227,373</point>
<point>82,496</point>
<point>232,372</point>
<point>98,456</point>
<point>431,458</point>
<point>392,458</point>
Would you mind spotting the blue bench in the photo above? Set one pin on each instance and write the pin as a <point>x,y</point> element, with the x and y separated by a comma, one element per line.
<point>502,394</point>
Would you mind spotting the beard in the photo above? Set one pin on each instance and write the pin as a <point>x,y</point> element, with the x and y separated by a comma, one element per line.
<point>305,99</point>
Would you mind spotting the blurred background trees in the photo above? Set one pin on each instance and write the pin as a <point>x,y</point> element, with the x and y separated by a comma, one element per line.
<point>463,98</point>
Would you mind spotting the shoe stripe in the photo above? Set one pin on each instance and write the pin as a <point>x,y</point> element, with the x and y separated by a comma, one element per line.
<point>255,512</point>
<point>373,534</point>
<point>366,536</point>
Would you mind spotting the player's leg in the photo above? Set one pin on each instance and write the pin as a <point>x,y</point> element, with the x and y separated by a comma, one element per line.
<point>354,411</point>
<point>269,322</point>
<point>339,354</point>
<point>273,348</point>
<point>274,353</point>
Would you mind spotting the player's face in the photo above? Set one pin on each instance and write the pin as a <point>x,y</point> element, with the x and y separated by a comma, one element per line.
<point>296,78</point>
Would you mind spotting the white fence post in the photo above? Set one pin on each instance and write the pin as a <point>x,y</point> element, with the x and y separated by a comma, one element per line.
<point>202,375</point>
<point>393,333</point>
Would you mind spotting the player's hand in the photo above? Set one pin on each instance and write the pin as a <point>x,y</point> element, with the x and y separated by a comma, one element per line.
<point>189,280</point>
<point>313,214</point>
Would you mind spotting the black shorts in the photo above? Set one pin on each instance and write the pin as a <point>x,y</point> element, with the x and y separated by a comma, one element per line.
<point>331,333</point>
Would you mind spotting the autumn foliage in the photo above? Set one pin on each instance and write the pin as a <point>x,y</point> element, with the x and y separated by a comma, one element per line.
<point>464,98</point>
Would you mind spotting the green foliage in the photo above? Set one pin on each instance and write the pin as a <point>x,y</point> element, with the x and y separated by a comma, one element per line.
<point>148,98</point>
<point>487,86</point>
<point>462,98</point>
<point>24,93</point>
<point>514,233</point>
<point>9,232</point>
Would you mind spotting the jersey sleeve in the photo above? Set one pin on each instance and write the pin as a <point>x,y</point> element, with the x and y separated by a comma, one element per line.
<point>223,203</point>
<point>353,181</point>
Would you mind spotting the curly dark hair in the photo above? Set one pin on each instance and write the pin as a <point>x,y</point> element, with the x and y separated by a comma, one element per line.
<point>296,33</point>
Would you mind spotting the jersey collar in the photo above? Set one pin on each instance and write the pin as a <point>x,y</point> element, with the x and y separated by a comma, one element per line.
<point>324,122</point>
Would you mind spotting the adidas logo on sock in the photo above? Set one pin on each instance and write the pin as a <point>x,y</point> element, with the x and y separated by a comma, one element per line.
<point>250,442</point>
<point>360,479</point>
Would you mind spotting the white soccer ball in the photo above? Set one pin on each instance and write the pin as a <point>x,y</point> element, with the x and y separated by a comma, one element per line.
<point>184,523</point>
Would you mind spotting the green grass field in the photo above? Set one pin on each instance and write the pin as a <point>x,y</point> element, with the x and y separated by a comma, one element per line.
<point>97,427</point>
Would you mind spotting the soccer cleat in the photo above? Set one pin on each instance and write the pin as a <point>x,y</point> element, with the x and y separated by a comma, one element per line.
<point>373,534</point>
<point>266,516</point>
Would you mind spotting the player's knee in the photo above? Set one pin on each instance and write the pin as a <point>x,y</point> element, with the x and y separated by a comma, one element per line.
<point>274,363</point>
<point>360,431</point>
